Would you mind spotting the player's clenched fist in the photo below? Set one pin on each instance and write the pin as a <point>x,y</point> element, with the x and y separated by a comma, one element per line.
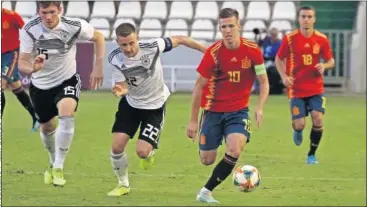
<point>119,90</point>
<point>192,130</point>
<point>39,62</point>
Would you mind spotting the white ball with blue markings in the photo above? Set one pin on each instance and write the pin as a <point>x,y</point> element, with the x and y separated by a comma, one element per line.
<point>246,178</point>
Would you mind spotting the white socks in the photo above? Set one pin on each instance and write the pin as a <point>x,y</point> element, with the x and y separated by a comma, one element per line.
<point>49,143</point>
<point>120,167</point>
<point>204,191</point>
<point>64,136</point>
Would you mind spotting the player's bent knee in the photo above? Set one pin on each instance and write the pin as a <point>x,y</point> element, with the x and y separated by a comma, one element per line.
<point>234,152</point>
<point>208,157</point>
<point>16,86</point>
<point>298,125</point>
<point>143,152</point>
<point>48,127</point>
<point>119,142</point>
<point>317,117</point>
<point>17,90</point>
<point>207,160</point>
<point>116,150</point>
<point>66,107</point>
<point>143,148</point>
<point>235,144</point>
<point>317,120</point>
<point>4,83</point>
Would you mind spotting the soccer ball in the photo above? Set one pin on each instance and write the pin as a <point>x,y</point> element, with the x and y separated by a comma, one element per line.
<point>246,178</point>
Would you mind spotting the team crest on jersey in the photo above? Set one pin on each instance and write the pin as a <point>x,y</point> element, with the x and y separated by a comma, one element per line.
<point>145,60</point>
<point>246,63</point>
<point>64,35</point>
<point>6,25</point>
<point>316,49</point>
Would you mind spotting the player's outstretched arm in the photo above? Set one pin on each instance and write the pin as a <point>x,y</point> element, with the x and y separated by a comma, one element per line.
<point>96,77</point>
<point>188,42</point>
<point>196,96</point>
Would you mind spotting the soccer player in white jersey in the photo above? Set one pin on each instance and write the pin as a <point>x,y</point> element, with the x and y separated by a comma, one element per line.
<point>138,79</point>
<point>48,52</point>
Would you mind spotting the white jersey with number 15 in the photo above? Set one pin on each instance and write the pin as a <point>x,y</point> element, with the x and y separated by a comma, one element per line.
<point>59,46</point>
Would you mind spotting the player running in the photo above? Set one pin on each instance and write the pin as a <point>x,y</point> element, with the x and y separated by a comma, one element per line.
<point>302,74</point>
<point>55,84</point>
<point>138,79</point>
<point>11,23</point>
<point>226,75</point>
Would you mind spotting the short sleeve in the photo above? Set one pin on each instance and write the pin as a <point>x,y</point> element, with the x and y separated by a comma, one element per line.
<point>257,57</point>
<point>206,65</point>
<point>87,31</point>
<point>26,42</point>
<point>284,49</point>
<point>117,75</point>
<point>164,44</point>
<point>258,61</point>
<point>18,20</point>
<point>327,53</point>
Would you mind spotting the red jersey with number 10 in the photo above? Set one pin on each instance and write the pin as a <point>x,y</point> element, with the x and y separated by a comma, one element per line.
<point>302,54</point>
<point>229,86</point>
<point>11,23</point>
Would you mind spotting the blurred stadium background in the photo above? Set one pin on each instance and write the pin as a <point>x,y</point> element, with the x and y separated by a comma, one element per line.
<point>343,22</point>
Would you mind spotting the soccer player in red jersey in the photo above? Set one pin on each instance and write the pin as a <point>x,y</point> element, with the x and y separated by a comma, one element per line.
<point>226,75</point>
<point>11,23</point>
<point>302,74</point>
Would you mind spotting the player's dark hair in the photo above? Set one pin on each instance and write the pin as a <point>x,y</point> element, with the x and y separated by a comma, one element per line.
<point>125,29</point>
<point>227,13</point>
<point>306,8</point>
<point>46,4</point>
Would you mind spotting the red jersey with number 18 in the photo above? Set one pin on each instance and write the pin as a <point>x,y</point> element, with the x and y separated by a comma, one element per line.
<point>229,85</point>
<point>302,54</point>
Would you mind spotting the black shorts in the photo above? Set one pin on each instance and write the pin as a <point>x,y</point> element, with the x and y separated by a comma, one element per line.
<point>128,119</point>
<point>45,101</point>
